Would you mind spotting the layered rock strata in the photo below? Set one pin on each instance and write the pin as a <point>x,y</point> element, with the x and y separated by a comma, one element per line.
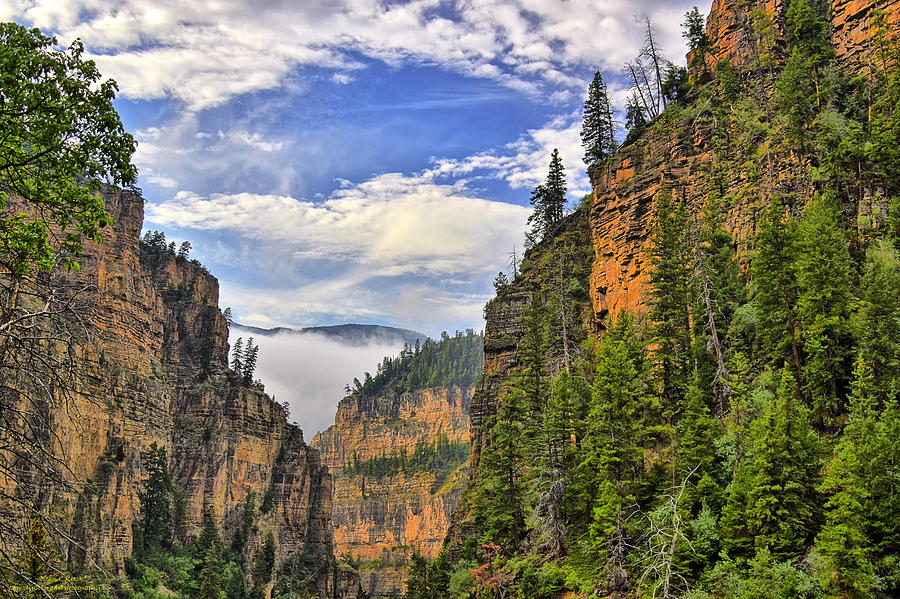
<point>379,518</point>
<point>154,370</point>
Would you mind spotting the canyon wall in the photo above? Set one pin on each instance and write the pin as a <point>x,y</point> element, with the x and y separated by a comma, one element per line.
<point>384,511</point>
<point>154,370</point>
<point>696,160</point>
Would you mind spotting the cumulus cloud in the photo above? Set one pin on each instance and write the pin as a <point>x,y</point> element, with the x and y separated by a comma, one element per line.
<point>207,51</point>
<point>394,223</point>
<point>309,372</point>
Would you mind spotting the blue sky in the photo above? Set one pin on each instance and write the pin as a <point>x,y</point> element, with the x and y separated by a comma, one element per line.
<point>353,160</point>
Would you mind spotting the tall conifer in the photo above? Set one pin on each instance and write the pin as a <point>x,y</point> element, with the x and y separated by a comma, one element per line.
<point>597,134</point>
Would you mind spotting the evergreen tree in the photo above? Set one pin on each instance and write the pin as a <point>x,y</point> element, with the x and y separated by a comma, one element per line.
<point>499,492</point>
<point>775,284</point>
<point>264,562</point>
<point>211,575</point>
<point>229,319</point>
<point>718,291</point>
<point>670,284</point>
<point>184,250</point>
<point>822,267</point>
<point>795,94</point>
<point>500,282</point>
<point>417,583</point>
<point>877,321</point>
<point>697,432</point>
<point>845,538</point>
<point>773,504</point>
<point>237,356</point>
<point>549,199</point>
<point>635,118</point>
<point>36,570</point>
<point>808,30</point>
<point>156,498</point>
<point>250,357</point>
<point>611,446</point>
<point>208,537</point>
<point>597,134</point>
<point>694,31</point>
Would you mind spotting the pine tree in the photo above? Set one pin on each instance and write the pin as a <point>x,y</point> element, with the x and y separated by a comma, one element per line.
<point>635,118</point>
<point>184,250</point>
<point>211,575</point>
<point>548,199</point>
<point>773,504</point>
<point>822,267</point>
<point>670,281</point>
<point>36,570</point>
<point>775,283</point>
<point>156,498</point>
<point>250,357</point>
<point>845,538</point>
<point>264,562</point>
<point>499,491</point>
<point>694,31</point>
<point>808,30</point>
<point>877,321</point>
<point>611,454</point>
<point>597,134</point>
<point>237,356</point>
<point>718,292</point>
<point>697,432</point>
<point>417,583</point>
<point>229,319</point>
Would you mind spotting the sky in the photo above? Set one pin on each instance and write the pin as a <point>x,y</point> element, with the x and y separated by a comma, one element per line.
<point>353,160</point>
<point>364,161</point>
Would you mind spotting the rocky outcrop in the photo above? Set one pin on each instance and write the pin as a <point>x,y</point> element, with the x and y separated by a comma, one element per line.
<point>155,371</point>
<point>743,32</point>
<point>381,516</point>
<point>681,153</point>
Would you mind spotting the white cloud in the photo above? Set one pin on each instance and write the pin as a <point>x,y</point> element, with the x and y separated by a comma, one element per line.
<point>207,51</point>
<point>393,223</point>
<point>309,372</point>
<point>524,162</point>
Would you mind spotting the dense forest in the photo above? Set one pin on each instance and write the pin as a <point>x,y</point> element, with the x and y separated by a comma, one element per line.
<point>738,438</point>
<point>452,360</point>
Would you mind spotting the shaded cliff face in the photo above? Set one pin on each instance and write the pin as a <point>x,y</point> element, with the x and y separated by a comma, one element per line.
<point>385,505</point>
<point>505,330</point>
<point>155,371</point>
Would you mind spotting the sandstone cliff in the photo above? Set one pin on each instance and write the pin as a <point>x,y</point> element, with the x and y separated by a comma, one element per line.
<point>386,505</point>
<point>695,156</point>
<point>154,369</point>
<point>696,159</point>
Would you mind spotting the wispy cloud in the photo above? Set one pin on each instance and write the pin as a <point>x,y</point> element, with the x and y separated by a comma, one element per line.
<point>207,51</point>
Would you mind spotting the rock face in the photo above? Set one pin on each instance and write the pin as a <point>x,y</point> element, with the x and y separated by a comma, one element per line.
<point>735,27</point>
<point>379,517</point>
<point>156,370</point>
<point>684,157</point>
<point>683,154</point>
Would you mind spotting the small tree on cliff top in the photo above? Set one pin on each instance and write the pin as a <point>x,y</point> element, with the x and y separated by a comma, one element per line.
<point>548,199</point>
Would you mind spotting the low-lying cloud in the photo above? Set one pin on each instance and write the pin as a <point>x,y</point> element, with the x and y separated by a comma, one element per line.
<point>309,372</point>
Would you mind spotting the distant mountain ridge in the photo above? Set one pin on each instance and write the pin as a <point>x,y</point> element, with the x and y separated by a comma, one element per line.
<point>349,334</point>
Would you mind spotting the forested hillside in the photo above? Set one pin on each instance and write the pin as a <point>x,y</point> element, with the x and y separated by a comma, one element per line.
<point>728,426</point>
